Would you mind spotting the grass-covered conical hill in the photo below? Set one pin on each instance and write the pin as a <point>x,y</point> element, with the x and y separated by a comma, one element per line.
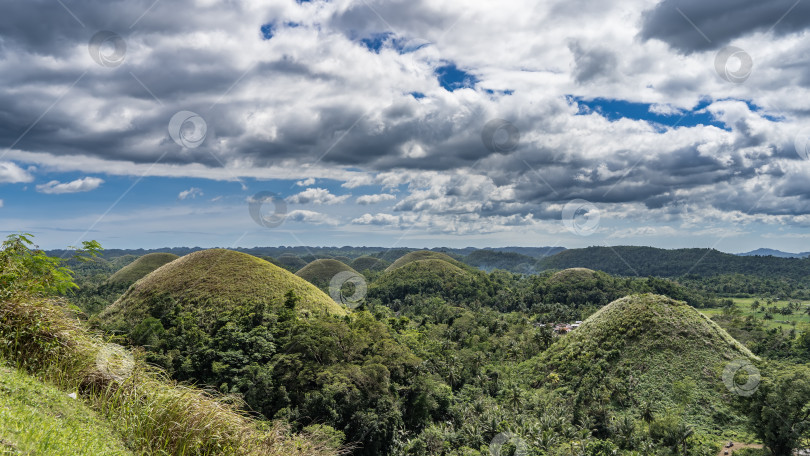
<point>320,272</point>
<point>573,276</point>
<point>424,255</point>
<point>645,349</point>
<point>368,263</point>
<point>139,268</point>
<point>430,277</point>
<point>206,284</point>
<point>290,262</point>
<point>581,287</point>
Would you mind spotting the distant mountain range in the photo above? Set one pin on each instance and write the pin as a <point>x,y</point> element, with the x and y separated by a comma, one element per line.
<point>775,253</point>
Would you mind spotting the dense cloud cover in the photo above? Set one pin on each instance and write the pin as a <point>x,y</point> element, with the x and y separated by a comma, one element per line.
<point>394,96</point>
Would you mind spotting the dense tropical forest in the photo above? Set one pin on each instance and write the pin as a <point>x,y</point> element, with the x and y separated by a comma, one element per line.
<point>364,351</point>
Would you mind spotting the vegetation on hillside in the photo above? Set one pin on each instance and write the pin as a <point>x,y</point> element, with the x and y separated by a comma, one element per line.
<point>431,276</point>
<point>139,268</point>
<point>364,263</point>
<point>424,255</point>
<point>200,285</point>
<point>640,350</point>
<point>488,260</point>
<point>444,359</point>
<point>648,261</point>
<point>149,413</point>
<point>321,272</point>
<point>38,418</point>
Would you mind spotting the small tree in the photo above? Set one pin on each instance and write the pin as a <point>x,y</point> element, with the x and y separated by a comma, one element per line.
<point>25,270</point>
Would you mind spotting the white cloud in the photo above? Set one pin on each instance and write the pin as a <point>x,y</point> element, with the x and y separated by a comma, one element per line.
<point>315,218</point>
<point>375,199</point>
<point>377,219</point>
<point>10,173</point>
<point>340,111</point>
<point>84,184</point>
<point>192,193</point>
<point>316,196</point>
<point>665,109</point>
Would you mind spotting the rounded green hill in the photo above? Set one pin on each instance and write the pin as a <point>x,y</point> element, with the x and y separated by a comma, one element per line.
<point>139,268</point>
<point>573,275</point>
<point>424,255</point>
<point>320,272</point>
<point>208,283</point>
<point>367,262</point>
<point>663,350</point>
<point>429,277</point>
<point>290,262</point>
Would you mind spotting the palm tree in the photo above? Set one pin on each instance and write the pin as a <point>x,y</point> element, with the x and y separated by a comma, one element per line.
<point>647,413</point>
<point>545,337</point>
<point>682,433</point>
<point>513,396</point>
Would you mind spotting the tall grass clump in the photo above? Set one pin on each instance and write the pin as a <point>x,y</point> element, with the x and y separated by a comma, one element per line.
<point>153,414</point>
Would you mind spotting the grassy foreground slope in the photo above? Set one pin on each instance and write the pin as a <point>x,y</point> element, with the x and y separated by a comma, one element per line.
<point>209,282</point>
<point>320,272</point>
<point>37,418</point>
<point>149,413</point>
<point>139,268</point>
<point>646,349</point>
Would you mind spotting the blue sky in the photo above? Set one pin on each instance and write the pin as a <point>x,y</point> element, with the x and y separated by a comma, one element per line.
<point>395,123</point>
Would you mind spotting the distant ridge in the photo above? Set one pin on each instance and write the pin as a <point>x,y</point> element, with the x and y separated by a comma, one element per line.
<point>351,252</point>
<point>650,261</point>
<point>774,253</point>
<point>534,252</point>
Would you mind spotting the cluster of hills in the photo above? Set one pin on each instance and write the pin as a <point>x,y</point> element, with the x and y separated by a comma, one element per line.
<point>447,349</point>
<point>618,260</point>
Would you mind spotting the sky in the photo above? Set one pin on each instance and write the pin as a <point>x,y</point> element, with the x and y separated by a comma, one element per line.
<point>153,123</point>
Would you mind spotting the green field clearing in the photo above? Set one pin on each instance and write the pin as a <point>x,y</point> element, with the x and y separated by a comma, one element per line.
<point>799,318</point>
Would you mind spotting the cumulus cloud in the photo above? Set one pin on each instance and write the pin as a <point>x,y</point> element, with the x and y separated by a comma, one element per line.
<point>84,184</point>
<point>376,219</point>
<point>10,173</point>
<point>695,25</point>
<point>375,199</point>
<point>379,119</point>
<point>192,193</point>
<point>312,217</point>
<point>665,109</point>
<point>316,196</point>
